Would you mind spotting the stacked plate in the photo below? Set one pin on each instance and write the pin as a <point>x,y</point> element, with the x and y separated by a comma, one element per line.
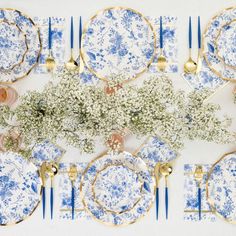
<point>20,45</point>
<point>117,188</point>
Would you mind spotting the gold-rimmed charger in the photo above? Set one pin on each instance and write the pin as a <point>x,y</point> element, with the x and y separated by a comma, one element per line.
<point>31,30</point>
<point>95,54</point>
<point>137,198</point>
<point>24,39</point>
<point>221,187</point>
<point>217,45</point>
<point>209,48</point>
<point>100,214</point>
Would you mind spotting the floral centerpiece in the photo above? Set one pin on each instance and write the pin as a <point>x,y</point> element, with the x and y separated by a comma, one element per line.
<point>80,113</point>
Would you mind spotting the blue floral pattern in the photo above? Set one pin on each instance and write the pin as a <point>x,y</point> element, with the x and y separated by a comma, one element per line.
<point>210,45</point>
<point>226,44</point>
<point>117,188</point>
<point>20,188</point>
<point>191,195</point>
<point>65,192</point>
<point>222,187</point>
<point>155,150</point>
<point>27,26</point>
<point>58,42</point>
<point>170,49</point>
<point>139,209</point>
<point>117,41</point>
<point>205,79</point>
<point>46,152</point>
<point>12,44</point>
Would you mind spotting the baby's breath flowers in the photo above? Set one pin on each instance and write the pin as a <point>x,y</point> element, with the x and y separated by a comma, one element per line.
<point>80,113</point>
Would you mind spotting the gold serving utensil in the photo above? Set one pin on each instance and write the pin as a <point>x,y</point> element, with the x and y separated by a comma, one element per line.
<point>157,177</point>
<point>52,170</point>
<point>166,169</point>
<point>198,176</point>
<point>73,173</point>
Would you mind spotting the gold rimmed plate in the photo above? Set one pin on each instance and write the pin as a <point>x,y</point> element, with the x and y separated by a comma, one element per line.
<point>31,32</point>
<point>117,188</point>
<point>13,45</point>
<point>221,187</point>
<point>20,188</point>
<point>215,63</point>
<point>107,186</point>
<point>118,40</point>
<point>226,44</point>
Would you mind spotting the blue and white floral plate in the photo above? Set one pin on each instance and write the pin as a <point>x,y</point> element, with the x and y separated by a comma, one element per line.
<point>20,188</point>
<point>13,45</point>
<point>31,31</point>
<point>117,188</point>
<point>221,187</point>
<point>226,44</point>
<point>212,45</point>
<point>118,40</point>
<point>154,150</point>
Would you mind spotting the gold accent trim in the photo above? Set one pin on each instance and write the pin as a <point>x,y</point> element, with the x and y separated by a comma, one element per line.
<point>25,41</point>
<point>118,8</point>
<point>98,202</point>
<point>39,51</point>
<point>86,207</point>
<point>217,50</point>
<point>210,201</point>
<point>203,45</point>
<point>196,211</point>
<point>69,210</point>
<point>36,206</point>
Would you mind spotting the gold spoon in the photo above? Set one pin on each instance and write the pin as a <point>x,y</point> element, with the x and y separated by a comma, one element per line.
<point>161,62</point>
<point>166,169</point>
<point>198,176</point>
<point>71,64</point>
<point>73,173</point>
<point>157,177</point>
<point>190,66</point>
<point>52,170</point>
